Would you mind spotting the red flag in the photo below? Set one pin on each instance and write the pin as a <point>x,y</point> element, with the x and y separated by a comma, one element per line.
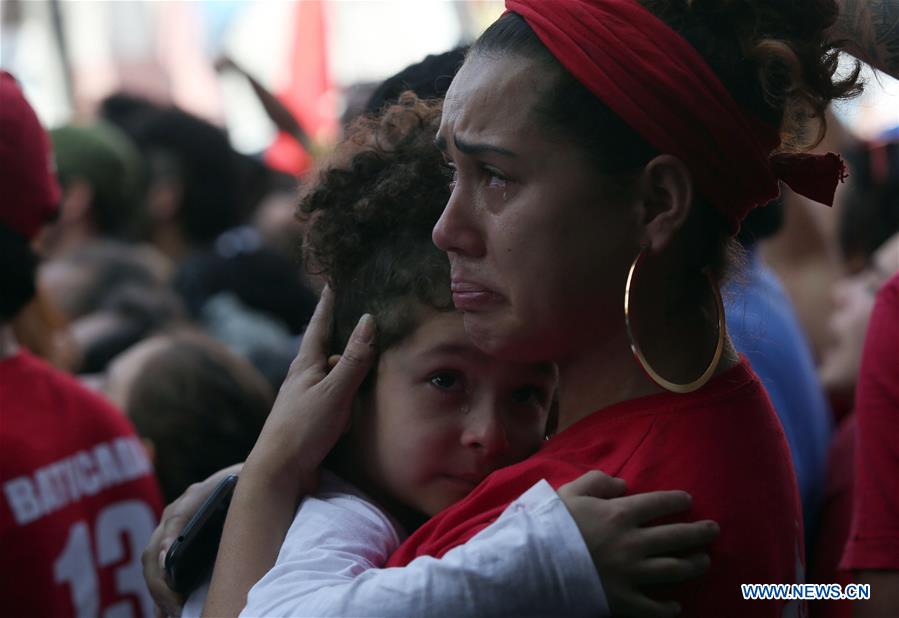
<point>308,91</point>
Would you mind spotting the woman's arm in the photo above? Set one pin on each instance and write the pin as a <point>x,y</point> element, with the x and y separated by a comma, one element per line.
<point>309,415</point>
<point>871,31</point>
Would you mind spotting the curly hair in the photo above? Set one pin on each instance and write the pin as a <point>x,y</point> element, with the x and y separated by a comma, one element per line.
<point>773,57</point>
<point>369,214</point>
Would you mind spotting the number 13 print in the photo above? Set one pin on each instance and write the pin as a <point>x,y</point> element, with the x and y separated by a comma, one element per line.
<point>130,522</point>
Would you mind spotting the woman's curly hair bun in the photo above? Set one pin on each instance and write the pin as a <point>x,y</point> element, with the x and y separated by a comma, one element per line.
<point>774,56</point>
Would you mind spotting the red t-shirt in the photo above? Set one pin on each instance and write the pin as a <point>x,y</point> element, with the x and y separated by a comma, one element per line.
<point>723,444</point>
<point>833,522</point>
<point>79,498</point>
<point>874,537</point>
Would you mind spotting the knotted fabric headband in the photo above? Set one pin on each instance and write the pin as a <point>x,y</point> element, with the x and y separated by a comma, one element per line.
<point>655,81</point>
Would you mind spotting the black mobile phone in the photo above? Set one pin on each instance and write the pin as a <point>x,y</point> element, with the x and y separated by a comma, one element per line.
<point>192,555</point>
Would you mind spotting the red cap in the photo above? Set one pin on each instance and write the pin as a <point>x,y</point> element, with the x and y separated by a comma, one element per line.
<point>29,193</point>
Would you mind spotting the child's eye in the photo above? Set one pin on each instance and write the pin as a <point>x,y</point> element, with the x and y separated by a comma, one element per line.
<point>446,381</point>
<point>528,395</point>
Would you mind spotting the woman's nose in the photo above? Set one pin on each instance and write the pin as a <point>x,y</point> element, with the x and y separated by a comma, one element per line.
<point>457,230</point>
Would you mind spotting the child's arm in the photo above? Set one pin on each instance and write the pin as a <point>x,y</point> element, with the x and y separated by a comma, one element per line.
<point>532,561</point>
<point>335,536</point>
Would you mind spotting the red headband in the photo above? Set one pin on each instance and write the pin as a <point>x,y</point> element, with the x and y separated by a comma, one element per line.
<point>656,82</point>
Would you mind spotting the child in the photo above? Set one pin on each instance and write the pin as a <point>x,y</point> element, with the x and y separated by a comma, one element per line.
<point>435,416</point>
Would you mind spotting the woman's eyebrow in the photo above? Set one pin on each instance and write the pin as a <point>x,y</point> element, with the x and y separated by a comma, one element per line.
<point>472,148</point>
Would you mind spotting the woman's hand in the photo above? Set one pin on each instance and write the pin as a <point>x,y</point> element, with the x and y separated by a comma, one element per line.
<point>311,412</point>
<point>313,406</point>
<point>174,518</point>
<point>308,417</point>
<point>628,555</point>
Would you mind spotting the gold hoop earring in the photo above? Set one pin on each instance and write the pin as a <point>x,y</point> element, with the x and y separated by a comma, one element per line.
<point>638,354</point>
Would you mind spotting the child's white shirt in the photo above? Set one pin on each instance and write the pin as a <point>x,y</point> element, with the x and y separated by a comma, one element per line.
<point>532,561</point>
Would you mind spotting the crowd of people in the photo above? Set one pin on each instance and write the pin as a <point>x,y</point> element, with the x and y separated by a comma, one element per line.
<point>512,347</point>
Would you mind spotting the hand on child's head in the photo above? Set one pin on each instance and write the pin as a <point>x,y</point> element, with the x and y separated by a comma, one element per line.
<point>313,406</point>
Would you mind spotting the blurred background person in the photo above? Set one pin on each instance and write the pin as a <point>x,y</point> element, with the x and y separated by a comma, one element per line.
<point>101,173</point>
<point>197,406</point>
<point>868,219</point>
<point>764,327</point>
<point>428,79</point>
<point>869,233</point>
<point>872,551</point>
<point>79,498</point>
<point>192,189</point>
<point>110,295</point>
<point>41,328</point>
<point>804,254</point>
<point>200,197</point>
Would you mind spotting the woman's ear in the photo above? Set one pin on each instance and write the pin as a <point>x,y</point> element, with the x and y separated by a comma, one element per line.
<point>666,195</point>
